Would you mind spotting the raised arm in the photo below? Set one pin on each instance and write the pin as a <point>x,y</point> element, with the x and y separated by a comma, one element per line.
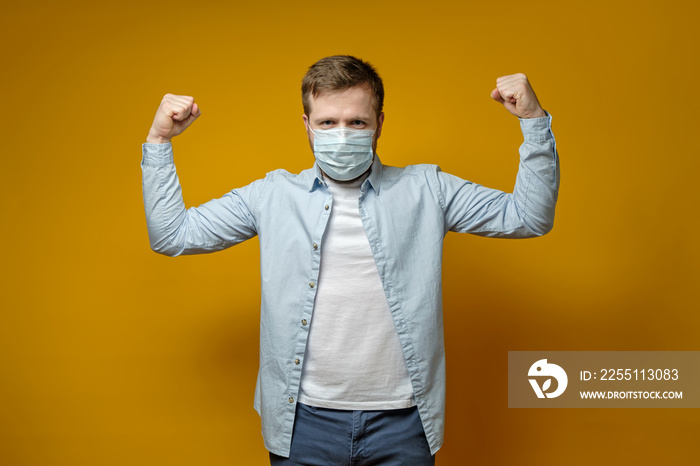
<point>527,211</point>
<point>172,229</point>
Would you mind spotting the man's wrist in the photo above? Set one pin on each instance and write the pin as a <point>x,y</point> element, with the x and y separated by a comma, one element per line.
<point>156,140</point>
<point>538,114</point>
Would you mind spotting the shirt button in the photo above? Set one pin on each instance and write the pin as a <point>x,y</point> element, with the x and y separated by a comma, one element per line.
<point>315,246</point>
<point>312,284</point>
<point>327,207</point>
<point>291,400</point>
<point>297,362</point>
<point>303,321</point>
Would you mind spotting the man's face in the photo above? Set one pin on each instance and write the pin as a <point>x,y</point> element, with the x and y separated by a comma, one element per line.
<point>351,108</point>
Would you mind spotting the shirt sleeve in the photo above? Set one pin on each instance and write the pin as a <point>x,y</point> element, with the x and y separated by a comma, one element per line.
<point>213,226</point>
<point>526,212</point>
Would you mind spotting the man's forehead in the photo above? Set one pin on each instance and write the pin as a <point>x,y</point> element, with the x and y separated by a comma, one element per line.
<point>360,98</point>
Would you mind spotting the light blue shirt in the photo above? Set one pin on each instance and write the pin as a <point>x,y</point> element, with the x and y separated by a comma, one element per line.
<point>406,213</point>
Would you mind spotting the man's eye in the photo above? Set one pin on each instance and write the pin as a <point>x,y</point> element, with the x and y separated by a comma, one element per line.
<point>358,123</point>
<point>326,123</point>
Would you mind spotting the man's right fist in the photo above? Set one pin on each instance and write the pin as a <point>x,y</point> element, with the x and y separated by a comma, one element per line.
<point>175,114</point>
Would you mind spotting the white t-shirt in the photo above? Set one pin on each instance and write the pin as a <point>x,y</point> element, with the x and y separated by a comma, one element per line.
<point>353,357</point>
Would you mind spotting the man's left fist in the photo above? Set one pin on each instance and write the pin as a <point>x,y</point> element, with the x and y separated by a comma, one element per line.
<point>517,96</point>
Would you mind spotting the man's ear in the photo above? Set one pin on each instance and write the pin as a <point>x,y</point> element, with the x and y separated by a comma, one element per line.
<point>380,122</point>
<point>309,134</point>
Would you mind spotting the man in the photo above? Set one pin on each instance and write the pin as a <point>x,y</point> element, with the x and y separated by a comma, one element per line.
<point>351,336</point>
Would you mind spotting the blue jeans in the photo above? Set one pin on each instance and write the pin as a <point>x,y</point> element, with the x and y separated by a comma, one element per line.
<point>333,437</point>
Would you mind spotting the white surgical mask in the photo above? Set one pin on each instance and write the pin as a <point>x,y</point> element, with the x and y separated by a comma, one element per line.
<point>343,153</point>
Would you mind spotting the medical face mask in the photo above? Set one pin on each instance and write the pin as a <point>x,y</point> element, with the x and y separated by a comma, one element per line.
<point>343,153</point>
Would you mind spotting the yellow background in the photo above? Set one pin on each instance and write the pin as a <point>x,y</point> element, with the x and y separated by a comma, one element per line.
<point>113,355</point>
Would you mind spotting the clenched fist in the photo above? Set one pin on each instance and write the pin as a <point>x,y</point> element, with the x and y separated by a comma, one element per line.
<point>517,96</point>
<point>175,114</point>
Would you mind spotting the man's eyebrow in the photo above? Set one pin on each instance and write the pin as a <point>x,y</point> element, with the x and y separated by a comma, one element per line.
<point>351,118</point>
<point>358,117</point>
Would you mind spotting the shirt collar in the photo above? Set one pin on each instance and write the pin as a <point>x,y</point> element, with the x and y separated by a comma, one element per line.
<point>374,179</point>
<point>375,176</point>
<point>317,179</point>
